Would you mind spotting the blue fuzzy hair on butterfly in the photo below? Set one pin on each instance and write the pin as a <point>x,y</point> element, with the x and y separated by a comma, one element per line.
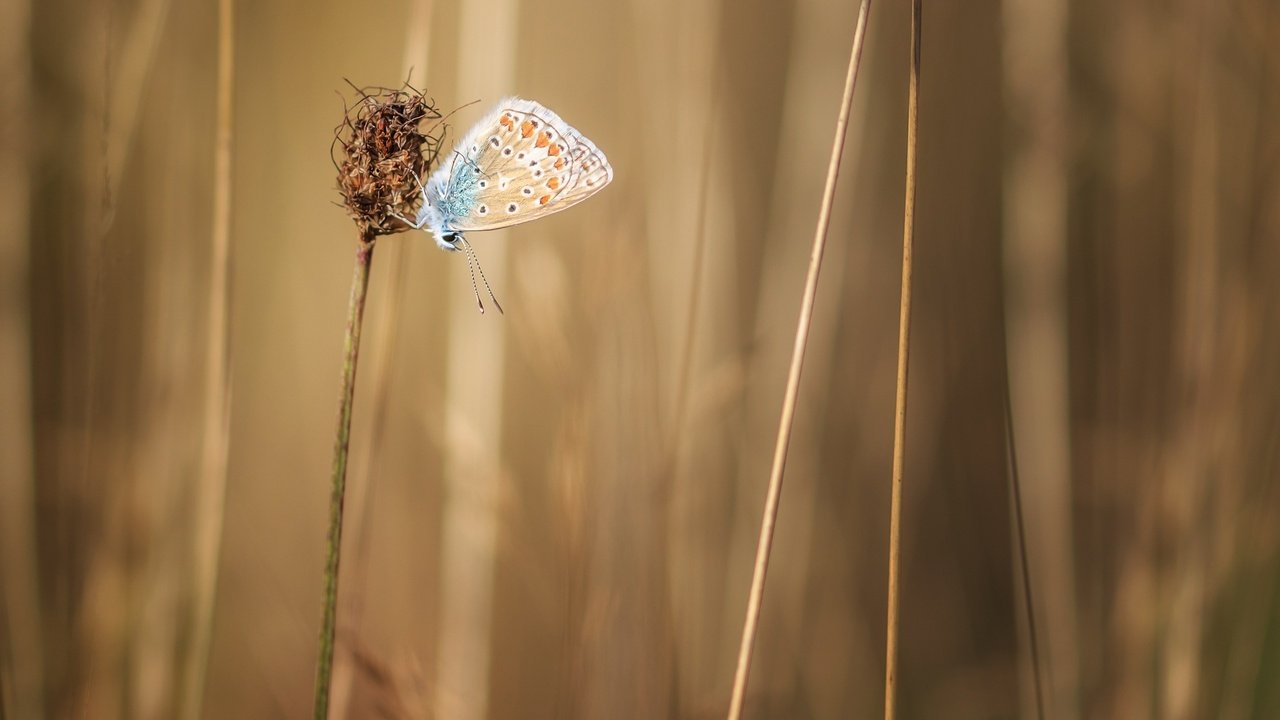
<point>445,199</point>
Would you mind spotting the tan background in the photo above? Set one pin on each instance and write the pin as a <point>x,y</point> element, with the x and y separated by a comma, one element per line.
<point>1099,180</point>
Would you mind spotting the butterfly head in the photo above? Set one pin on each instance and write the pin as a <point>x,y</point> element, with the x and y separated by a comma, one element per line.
<point>449,240</point>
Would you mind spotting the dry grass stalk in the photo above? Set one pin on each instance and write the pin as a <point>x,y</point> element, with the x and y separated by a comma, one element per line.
<point>765,544</point>
<point>904,352</point>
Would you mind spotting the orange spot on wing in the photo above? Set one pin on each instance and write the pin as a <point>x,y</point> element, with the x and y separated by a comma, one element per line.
<point>544,199</point>
<point>543,139</point>
<point>507,122</point>
<point>553,183</point>
<point>553,150</point>
<point>526,129</point>
<point>559,163</point>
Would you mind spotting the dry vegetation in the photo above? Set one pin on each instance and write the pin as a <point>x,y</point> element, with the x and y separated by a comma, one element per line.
<point>559,506</point>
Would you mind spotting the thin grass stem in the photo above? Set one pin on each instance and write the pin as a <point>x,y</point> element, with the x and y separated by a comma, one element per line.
<point>765,543</point>
<point>1015,483</point>
<point>904,352</point>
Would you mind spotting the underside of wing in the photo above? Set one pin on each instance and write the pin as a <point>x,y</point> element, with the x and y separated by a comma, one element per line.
<point>521,162</point>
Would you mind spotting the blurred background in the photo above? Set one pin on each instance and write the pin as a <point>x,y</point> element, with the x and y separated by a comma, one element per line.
<point>553,513</point>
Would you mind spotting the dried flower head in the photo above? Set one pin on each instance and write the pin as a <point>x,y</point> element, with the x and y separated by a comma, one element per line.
<point>383,145</point>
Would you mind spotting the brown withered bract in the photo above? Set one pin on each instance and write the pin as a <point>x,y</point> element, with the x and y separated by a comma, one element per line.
<point>378,147</point>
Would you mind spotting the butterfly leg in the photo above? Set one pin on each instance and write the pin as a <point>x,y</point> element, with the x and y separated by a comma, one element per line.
<point>421,189</point>
<point>405,220</point>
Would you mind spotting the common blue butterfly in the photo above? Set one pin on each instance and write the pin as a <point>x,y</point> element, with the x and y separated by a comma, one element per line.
<point>519,163</point>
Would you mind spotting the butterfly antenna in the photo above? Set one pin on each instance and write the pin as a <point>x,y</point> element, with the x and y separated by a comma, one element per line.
<point>471,258</point>
<point>471,267</point>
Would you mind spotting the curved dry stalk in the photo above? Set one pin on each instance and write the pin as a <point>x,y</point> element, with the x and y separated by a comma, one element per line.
<point>904,352</point>
<point>765,543</point>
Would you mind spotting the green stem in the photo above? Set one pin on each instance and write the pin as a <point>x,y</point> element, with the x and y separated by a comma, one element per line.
<point>351,351</point>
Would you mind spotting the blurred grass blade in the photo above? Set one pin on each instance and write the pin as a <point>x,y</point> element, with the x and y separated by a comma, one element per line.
<point>474,392</point>
<point>1035,253</point>
<point>212,488</point>
<point>21,653</point>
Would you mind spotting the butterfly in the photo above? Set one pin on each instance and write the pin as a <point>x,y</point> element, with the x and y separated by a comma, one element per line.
<point>519,163</point>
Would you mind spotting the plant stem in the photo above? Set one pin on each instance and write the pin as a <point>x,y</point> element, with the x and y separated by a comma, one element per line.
<point>765,543</point>
<point>384,339</point>
<point>904,351</point>
<point>342,440</point>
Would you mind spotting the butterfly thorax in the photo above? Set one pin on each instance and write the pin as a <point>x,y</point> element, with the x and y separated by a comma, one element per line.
<point>439,208</point>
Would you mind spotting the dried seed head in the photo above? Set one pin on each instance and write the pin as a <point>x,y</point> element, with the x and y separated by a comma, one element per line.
<point>378,148</point>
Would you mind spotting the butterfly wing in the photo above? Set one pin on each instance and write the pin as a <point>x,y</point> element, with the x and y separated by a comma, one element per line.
<point>521,162</point>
